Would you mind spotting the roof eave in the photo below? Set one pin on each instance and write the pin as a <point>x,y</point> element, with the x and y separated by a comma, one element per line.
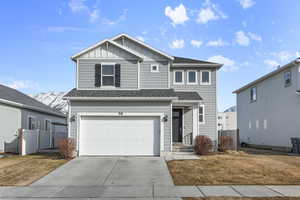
<point>121,98</point>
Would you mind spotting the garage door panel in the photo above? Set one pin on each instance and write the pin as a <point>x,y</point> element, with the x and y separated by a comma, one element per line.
<point>119,136</point>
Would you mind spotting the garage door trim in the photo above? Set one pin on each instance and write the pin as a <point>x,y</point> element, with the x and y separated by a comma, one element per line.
<point>122,114</point>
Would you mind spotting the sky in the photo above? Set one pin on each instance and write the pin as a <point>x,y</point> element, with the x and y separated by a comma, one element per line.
<point>250,37</point>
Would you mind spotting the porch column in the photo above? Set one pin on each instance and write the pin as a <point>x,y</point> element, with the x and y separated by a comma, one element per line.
<point>195,122</point>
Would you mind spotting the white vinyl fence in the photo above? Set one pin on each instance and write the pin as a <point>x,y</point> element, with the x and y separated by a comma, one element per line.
<point>44,139</point>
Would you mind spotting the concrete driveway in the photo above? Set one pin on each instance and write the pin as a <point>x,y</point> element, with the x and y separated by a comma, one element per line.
<point>93,171</point>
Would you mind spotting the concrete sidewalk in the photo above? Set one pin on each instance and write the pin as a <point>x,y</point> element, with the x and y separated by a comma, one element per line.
<point>146,192</point>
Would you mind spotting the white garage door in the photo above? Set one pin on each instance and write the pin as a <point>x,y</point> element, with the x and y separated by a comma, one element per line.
<point>119,136</point>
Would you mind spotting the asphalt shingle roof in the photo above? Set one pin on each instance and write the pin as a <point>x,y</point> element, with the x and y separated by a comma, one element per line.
<point>191,61</point>
<point>134,93</point>
<point>15,96</point>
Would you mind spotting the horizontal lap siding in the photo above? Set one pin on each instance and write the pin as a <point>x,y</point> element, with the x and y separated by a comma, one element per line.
<point>86,72</point>
<point>133,107</point>
<point>208,94</point>
<point>150,79</point>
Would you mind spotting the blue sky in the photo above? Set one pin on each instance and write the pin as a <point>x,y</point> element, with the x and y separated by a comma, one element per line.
<point>252,37</point>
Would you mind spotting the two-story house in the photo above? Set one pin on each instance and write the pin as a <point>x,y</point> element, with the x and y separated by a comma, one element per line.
<point>268,108</point>
<point>132,99</point>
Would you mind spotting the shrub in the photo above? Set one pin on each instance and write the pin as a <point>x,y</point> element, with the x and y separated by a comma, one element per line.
<point>203,145</point>
<point>67,147</point>
<point>225,143</point>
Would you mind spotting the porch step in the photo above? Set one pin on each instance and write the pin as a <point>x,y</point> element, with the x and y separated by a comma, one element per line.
<point>183,148</point>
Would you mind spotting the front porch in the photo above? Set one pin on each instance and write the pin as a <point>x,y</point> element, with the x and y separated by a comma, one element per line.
<point>185,125</point>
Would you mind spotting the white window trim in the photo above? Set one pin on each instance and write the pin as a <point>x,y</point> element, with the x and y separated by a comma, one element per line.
<point>33,117</point>
<point>196,77</point>
<point>174,77</point>
<point>209,75</point>
<point>45,122</point>
<point>107,86</point>
<point>157,68</point>
<point>203,108</point>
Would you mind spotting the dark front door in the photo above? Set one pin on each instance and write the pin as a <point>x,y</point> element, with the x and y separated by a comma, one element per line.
<point>177,125</point>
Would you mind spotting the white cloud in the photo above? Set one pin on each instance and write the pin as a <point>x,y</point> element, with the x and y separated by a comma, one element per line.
<point>177,44</point>
<point>284,56</point>
<point>22,84</point>
<point>217,43</point>
<point>242,39</point>
<point>272,64</point>
<point>178,15</point>
<point>255,37</point>
<point>140,38</point>
<point>196,43</point>
<point>77,6</point>
<point>210,12</point>
<point>229,64</point>
<point>120,19</point>
<point>247,3</point>
<point>94,15</point>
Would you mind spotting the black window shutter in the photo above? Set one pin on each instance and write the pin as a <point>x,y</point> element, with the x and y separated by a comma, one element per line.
<point>117,75</point>
<point>98,75</point>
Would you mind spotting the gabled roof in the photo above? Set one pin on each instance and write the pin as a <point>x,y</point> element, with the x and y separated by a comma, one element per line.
<point>297,61</point>
<point>13,97</point>
<point>142,94</point>
<point>103,42</point>
<point>143,44</point>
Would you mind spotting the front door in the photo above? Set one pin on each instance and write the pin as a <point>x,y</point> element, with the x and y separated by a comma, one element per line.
<point>177,125</point>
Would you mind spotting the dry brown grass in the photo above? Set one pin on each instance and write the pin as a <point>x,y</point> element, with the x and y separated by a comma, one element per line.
<point>20,171</point>
<point>244,198</point>
<point>237,168</point>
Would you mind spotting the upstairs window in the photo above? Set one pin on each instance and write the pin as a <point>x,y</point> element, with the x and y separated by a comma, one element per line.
<point>108,75</point>
<point>178,77</point>
<point>253,94</point>
<point>287,78</point>
<point>205,78</point>
<point>47,125</point>
<point>192,77</point>
<point>31,123</point>
<point>154,68</point>
<point>201,114</point>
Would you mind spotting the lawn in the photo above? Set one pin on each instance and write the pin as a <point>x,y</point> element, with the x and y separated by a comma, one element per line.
<point>241,168</point>
<point>23,170</point>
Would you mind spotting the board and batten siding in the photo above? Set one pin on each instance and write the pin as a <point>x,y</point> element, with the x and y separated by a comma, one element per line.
<point>130,107</point>
<point>274,118</point>
<point>86,72</point>
<point>150,79</point>
<point>208,94</point>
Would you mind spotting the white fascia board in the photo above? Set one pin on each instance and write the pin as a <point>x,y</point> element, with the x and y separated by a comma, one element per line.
<point>74,57</point>
<point>19,105</point>
<point>122,98</point>
<point>195,65</point>
<point>143,44</point>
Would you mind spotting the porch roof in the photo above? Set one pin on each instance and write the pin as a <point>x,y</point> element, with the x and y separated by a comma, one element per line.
<point>188,96</point>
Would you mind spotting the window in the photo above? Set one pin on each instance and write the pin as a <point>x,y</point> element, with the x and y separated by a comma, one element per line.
<point>38,126</point>
<point>108,75</point>
<point>192,77</point>
<point>257,124</point>
<point>287,78</point>
<point>205,77</point>
<point>178,77</point>
<point>250,125</point>
<point>201,114</point>
<point>31,123</point>
<point>253,95</point>
<point>154,68</point>
<point>47,125</point>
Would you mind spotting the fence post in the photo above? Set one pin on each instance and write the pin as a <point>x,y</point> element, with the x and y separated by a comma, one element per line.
<point>21,142</point>
<point>238,139</point>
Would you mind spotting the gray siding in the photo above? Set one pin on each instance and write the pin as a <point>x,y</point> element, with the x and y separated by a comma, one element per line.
<point>276,104</point>
<point>208,94</point>
<point>150,79</point>
<point>134,107</point>
<point>86,72</point>
<point>10,118</point>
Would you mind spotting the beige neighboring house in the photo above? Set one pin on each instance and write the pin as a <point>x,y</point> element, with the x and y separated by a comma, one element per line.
<point>227,119</point>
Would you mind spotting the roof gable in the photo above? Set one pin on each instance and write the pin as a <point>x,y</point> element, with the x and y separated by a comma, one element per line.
<point>146,50</point>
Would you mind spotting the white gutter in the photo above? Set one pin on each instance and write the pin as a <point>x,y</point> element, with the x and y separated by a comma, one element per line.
<point>122,98</point>
<point>30,107</point>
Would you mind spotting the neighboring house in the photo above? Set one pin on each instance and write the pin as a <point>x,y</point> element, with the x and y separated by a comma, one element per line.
<point>18,110</point>
<point>132,99</point>
<point>227,120</point>
<point>268,109</point>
